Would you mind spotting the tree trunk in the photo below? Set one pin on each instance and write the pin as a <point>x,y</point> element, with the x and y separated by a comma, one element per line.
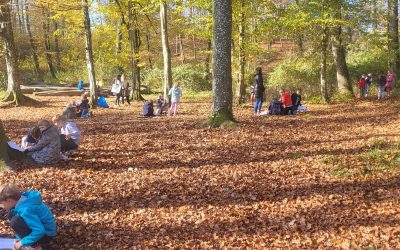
<point>57,47</point>
<point>32,43</point>
<point>393,36</point>
<point>148,49</point>
<point>241,89</point>
<point>13,93</point>
<point>134,38</point>
<point>207,73</point>
<point>118,44</point>
<point>181,49</point>
<point>4,160</point>
<point>89,53</point>
<point>194,47</point>
<point>342,72</point>
<point>166,51</point>
<point>47,45</point>
<point>222,65</point>
<point>324,48</point>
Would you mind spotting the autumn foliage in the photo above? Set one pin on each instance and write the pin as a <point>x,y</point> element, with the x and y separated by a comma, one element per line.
<point>326,179</point>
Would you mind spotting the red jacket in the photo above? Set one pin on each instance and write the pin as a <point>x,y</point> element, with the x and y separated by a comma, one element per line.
<point>361,83</point>
<point>287,99</point>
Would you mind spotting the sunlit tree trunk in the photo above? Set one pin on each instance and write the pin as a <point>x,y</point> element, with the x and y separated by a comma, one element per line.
<point>148,39</point>
<point>118,44</point>
<point>13,92</point>
<point>134,37</point>
<point>182,56</point>
<point>89,53</point>
<point>207,73</point>
<point>32,43</point>
<point>166,50</point>
<point>57,47</point>
<point>222,66</point>
<point>241,89</point>
<point>342,72</point>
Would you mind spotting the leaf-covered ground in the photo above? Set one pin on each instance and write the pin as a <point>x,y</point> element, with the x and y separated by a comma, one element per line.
<point>326,179</point>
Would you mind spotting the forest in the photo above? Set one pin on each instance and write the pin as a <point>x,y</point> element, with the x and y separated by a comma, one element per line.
<point>215,175</point>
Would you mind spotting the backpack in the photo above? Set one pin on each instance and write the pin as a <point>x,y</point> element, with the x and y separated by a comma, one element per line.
<point>276,108</point>
<point>148,109</point>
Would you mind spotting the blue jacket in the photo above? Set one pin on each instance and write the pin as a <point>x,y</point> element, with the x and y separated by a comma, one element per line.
<point>37,216</point>
<point>80,85</point>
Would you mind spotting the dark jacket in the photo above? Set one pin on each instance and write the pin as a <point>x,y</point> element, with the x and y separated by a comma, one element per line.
<point>259,86</point>
<point>84,104</point>
<point>296,99</point>
<point>381,80</point>
<point>47,150</point>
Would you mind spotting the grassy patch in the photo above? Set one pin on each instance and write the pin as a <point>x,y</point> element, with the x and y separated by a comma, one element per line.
<point>340,172</point>
<point>377,143</point>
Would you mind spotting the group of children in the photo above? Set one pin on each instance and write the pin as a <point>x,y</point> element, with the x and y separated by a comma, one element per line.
<point>78,109</point>
<point>384,84</point>
<point>162,107</point>
<point>287,104</point>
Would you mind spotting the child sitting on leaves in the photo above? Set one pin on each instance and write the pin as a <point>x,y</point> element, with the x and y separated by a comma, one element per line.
<point>32,138</point>
<point>31,220</point>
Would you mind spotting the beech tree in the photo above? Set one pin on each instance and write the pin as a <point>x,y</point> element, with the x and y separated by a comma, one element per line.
<point>222,66</point>
<point>165,46</point>
<point>13,92</point>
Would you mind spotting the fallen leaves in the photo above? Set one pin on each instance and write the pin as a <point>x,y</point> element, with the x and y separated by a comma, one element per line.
<point>275,182</point>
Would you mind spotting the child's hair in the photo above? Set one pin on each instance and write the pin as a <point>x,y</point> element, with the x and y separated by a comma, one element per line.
<point>9,191</point>
<point>45,123</point>
<point>35,132</point>
<point>84,97</point>
<point>59,118</point>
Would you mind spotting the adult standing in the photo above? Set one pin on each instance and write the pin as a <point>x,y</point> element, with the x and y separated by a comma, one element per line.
<point>47,149</point>
<point>125,89</point>
<point>381,86</point>
<point>258,90</point>
<point>368,82</point>
<point>70,134</point>
<point>389,83</point>
<point>117,90</point>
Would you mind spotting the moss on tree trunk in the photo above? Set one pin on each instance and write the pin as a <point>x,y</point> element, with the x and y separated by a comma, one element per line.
<point>222,118</point>
<point>15,97</point>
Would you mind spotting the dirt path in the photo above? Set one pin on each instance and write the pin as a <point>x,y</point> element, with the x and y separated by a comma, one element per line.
<point>326,179</point>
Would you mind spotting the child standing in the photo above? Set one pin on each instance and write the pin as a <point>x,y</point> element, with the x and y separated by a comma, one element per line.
<point>176,93</point>
<point>31,220</point>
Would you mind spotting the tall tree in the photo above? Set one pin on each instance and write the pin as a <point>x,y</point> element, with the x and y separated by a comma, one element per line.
<point>89,53</point>
<point>222,65</point>
<point>32,42</point>
<point>393,36</point>
<point>165,45</point>
<point>46,38</point>
<point>13,92</point>
<point>57,46</point>
<point>241,89</point>
<point>324,55</point>
<point>134,37</point>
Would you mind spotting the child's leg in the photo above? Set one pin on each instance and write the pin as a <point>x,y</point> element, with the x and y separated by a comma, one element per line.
<point>22,230</point>
<point>176,107</point>
<point>171,108</point>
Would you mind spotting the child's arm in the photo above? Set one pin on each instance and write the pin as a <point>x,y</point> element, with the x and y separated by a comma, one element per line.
<point>37,228</point>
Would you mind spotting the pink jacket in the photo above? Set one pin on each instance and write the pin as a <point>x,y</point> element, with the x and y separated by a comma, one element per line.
<point>389,81</point>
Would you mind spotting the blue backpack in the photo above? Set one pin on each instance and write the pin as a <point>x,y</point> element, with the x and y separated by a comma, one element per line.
<point>148,109</point>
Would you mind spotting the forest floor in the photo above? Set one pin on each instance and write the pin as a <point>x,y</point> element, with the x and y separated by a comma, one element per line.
<point>325,179</point>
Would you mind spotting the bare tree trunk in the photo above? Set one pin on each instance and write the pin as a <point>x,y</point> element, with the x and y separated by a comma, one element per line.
<point>32,43</point>
<point>57,47</point>
<point>148,39</point>
<point>4,159</point>
<point>393,36</point>
<point>241,89</point>
<point>166,51</point>
<point>13,93</point>
<point>342,72</point>
<point>181,49</point>
<point>207,73</point>
<point>324,48</point>
<point>89,53</point>
<point>194,47</point>
<point>118,44</point>
<point>135,44</point>
<point>47,45</point>
<point>222,65</point>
